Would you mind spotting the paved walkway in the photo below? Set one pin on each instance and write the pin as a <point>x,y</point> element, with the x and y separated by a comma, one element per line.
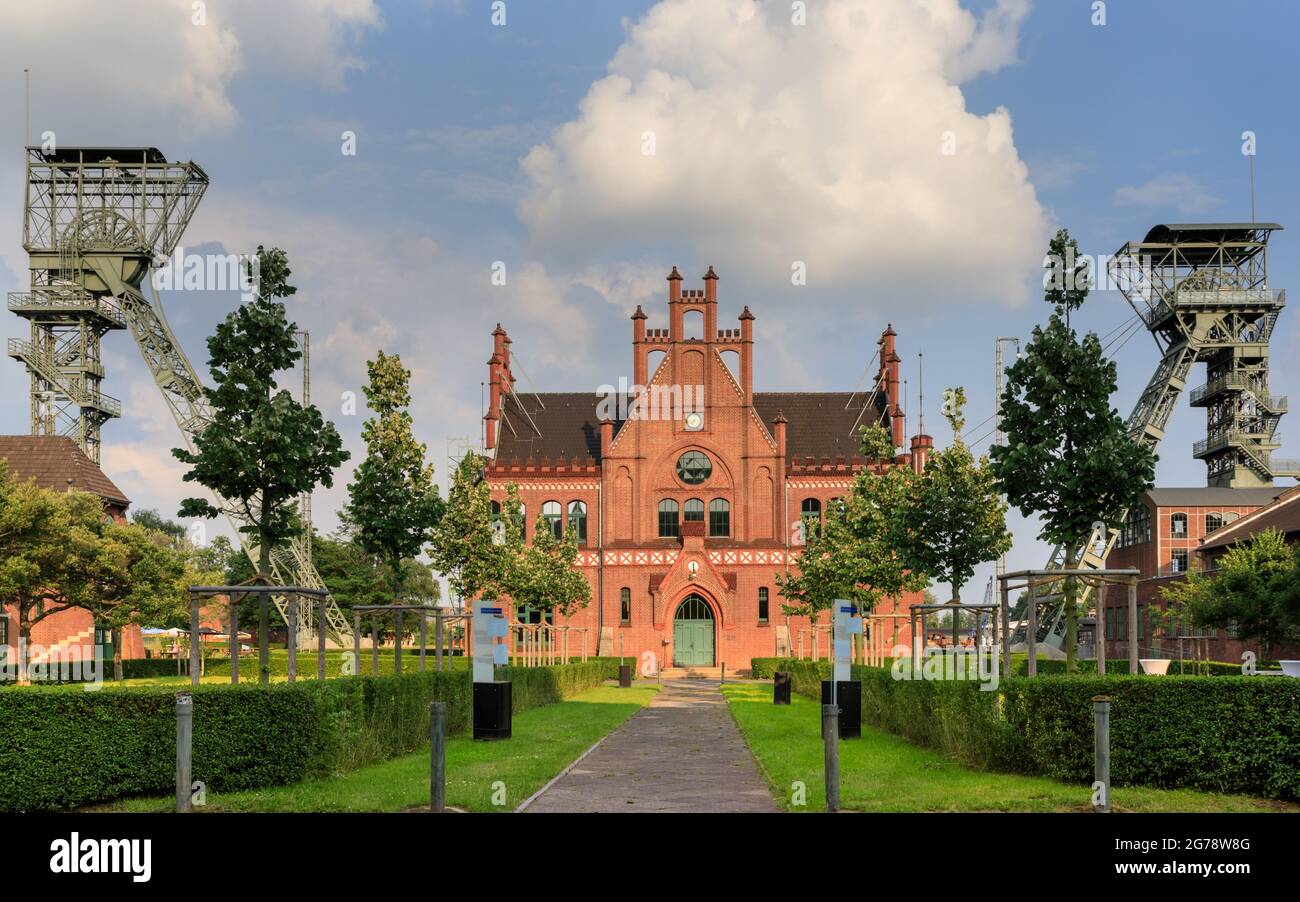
<point>681,753</point>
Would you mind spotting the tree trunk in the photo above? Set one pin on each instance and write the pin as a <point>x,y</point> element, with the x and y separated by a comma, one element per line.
<point>24,644</point>
<point>1071,619</point>
<point>117,656</point>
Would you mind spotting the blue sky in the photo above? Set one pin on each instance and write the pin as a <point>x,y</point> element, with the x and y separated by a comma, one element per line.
<point>523,143</point>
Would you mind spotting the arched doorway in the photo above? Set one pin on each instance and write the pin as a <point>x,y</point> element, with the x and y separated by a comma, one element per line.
<point>693,633</point>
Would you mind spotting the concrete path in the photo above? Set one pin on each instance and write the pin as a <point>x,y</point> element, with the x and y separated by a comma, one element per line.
<point>682,753</point>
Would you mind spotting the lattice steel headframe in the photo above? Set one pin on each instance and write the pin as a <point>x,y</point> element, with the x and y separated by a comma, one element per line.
<point>95,220</point>
<point>121,206</point>
<point>1203,292</point>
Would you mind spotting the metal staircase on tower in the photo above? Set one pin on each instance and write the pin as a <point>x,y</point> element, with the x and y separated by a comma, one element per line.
<point>1202,291</point>
<point>95,220</point>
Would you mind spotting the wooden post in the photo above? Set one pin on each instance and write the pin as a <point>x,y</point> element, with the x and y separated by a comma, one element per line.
<point>1101,629</point>
<point>322,630</point>
<point>263,639</point>
<point>397,643</point>
<point>1132,625</point>
<point>356,644</point>
<point>196,649</point>
<point>374,644</point>
<point>293,637</point>
<point>1031,635</point>
<point>234,641</point>
<point>1006,629</point>
<point>424,632</point>
<point>437,639</point>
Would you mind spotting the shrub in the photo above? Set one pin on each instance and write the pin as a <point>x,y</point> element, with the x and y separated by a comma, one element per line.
<point>1219,733</point>
<point>61,748</point>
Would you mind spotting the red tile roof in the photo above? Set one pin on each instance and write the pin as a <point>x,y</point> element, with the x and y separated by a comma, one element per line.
<point>55,462</point>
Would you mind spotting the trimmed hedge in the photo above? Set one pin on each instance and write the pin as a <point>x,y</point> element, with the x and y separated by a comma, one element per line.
<point>61,749</point>
<point>763,668</point>
<point>1220,734</point>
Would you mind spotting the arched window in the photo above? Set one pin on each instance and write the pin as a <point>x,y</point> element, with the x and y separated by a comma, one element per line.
<point>811,513</point>
<point>669,527</point>
<point>554,521</point>
<point>521,522</point>
<point>693,510</point>
<point>578,521</point>
<point>762,604</point>
<point>1178,525</point>
<point>1213,522</point>
<point>837,507</point>
<point>625,605</point>
<point>719,517</point>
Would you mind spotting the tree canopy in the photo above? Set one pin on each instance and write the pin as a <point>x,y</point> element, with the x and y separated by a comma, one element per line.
<point>262,450</point>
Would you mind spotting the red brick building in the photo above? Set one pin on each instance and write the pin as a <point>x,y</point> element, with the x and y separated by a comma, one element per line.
<point>1161,538</point>
<point>55,462</point>
<point>688,496</point>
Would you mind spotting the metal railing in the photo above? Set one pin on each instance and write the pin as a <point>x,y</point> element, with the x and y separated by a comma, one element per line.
<point>78,394</point>
<point>1236,381</point>
<point>59,299</point>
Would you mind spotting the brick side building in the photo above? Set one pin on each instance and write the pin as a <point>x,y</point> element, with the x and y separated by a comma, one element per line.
<point>55,462</point>
<point>688,497</point>
<point>1161,538</point>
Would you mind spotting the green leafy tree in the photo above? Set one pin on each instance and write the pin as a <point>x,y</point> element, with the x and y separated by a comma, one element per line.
<point>464,544</point>
<point>126,574</point>
<point>957,520</point>
<point>263,450</point>
<point>1068,459</point>
<point>43,535</point>
<point>151,519</point>
<point>856,554</point>
<point>394,503</point>
<point>1256,590</point>
<point>543,575</point>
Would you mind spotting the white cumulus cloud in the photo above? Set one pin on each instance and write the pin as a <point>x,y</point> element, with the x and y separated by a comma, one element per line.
<point>775,142</point>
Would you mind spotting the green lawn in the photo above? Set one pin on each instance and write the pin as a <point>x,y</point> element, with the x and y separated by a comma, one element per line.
<point>545,740</point>
<point>882,772</point>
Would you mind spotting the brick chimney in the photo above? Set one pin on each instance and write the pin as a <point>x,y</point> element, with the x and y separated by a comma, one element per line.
<point>922,445</point>
<point>675,327</point>
<point>500,383</point>
<point>779,425</point>
<point>747,354</point>
<point>710,305</point>
<point>639,354</point>
<point>888,380</point>
<point>606,437</point>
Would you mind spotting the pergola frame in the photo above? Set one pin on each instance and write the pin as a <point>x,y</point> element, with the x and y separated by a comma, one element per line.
<point>234,596</point>
<point>917,613</point>
<point>440,617</point>
<point>1032,579</point>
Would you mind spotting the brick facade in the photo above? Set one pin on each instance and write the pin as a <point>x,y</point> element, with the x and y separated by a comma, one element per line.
<point>1155,551</point>
<point>767,456</point>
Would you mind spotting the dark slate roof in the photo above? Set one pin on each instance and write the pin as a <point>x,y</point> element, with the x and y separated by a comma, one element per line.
<point>820,424</point>
<point>1282,515</point>
<point>563,425</point>
<point>1209,496</point>
<point>55,462</point>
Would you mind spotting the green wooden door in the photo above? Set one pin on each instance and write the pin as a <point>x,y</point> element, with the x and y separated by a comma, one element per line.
<point>693,633</point>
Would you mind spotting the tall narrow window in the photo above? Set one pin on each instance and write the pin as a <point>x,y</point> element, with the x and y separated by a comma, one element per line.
<point>811,513</point>
<point>693,510</point>
<point>551,514</point>
<point>719,518</point>
<point>578,521</point>
<point>522,522</point>
<point>625,605</point>
<point>669,526</point>
<point>1178,525</point>
<point>1178,560</point>
<point>762,605</point>
<point>1213,522</point>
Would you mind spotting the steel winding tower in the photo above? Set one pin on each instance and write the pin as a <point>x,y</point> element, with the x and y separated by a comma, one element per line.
<point>94,222</point>
<point>1202,290</point>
